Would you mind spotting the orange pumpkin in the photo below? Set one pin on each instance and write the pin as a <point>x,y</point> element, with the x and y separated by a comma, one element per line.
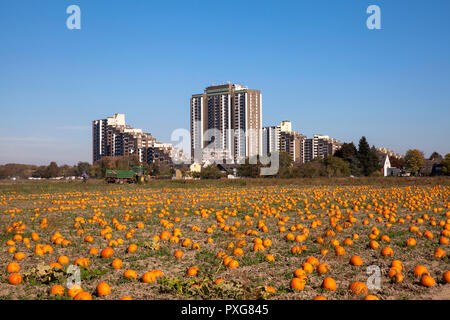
<point>299,273</point>
<point>57,290</point>
<point>397,264</point>
<point>439,253</point>
<point>269,289</point>
<point>19,256</point>
<point>233,264</point>
<point>398,277</point>
<point>298,283</point>
<point>393,271</point>
<point>55,265</point>
<point>192,271</point>
<point>358,287</point>
<point>420,270</point>
<point>178,254</point>
<point>308,267</point>
<point>107,253</point>
<point>13,267</point>
<point>270,257</point>
<point>83,296</point>
<point>348,242</point>
<point>427,281</point>
<point>443,240</point>
<point>356,261</point>
<point>103,289</point>
<point>371,297</point>
<point>329,284</point>
<point>130,274</point>
<point>15,279</point>
<point>158,273</point>
<point>313,261</point>
<point>340,251</point>
<point>148,277</point>
<point>74,290</point>
<point>238,252</point>
<point>446,277</point>
<point>323,268</point>
<point>387,251</point>
<point>411,242</point>
<point>267,242</point>
<point>132,248</point>
<point>374,245</point>
<point>117,263</point>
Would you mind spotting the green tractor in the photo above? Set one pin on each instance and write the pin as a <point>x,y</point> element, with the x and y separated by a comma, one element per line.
<point>135,175</point>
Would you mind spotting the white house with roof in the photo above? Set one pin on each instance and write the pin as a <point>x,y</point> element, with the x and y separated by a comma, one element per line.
<point>386,166</point>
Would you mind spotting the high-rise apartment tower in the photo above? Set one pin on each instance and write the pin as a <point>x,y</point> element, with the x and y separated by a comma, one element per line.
<point>226,119</point>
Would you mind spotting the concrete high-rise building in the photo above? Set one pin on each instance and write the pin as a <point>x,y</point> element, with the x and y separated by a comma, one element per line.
<point>226,120</point>
<point>291,142</point>
<point>286,126</point>
<point>319,146</point>
<point>282,138</point>
<point>111,137</point>
<point>270,140</point>
<point>102,144</point>
<point>307,150</point>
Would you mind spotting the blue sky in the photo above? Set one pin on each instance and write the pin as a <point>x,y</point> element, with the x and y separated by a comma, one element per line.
<point>315,62</point>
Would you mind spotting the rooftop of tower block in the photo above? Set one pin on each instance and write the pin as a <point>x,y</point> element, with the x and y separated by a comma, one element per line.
<point>220,89</point>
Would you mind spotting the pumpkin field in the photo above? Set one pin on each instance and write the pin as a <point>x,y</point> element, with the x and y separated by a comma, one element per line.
<point>207,240</point>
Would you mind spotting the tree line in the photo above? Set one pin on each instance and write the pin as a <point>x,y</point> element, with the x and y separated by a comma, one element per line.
<point>347,161</point>
<point>97,170</point>
<point>50,171</point>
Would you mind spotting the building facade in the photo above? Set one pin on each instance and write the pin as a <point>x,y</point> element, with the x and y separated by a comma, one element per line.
<point>270,140</point>
<point>286,126</point>
<point>226,119</point>
<point>282,138</point>
<point>103,142</point>
<point>389,152</point>
<point>292,143</point>
<point>319,146</point>
<point>113,138</point>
